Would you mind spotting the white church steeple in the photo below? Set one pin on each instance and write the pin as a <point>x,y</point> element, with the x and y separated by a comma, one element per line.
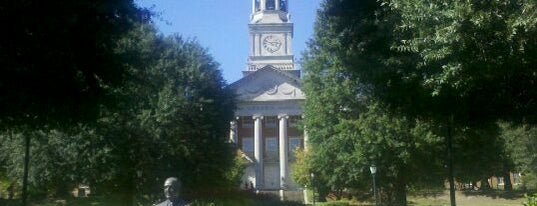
<point>271,35</point>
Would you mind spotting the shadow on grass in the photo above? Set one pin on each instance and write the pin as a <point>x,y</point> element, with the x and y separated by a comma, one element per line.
<point>427,193</point>
<point>242,198</point>
<point>222,199</point>
<point>494,194</point>
<point>9,202</point>
<point>93,201</point>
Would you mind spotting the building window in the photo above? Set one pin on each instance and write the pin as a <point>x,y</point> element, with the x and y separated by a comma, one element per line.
<point>271,149</point>
<point>294,144</point>
<point>257,5</point>
<point>247,122</point>
<point>283,5</point>
<point>247,146</point>
<point>271,5</point>
<point>271,122</point>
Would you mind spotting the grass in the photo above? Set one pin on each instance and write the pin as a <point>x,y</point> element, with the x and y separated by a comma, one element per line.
<point>493,198</point>
<point>232,199</point>
<point>95,201</point>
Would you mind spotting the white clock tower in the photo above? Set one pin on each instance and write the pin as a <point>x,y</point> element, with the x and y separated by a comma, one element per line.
<point>271,34</point>
<point>269,99</point>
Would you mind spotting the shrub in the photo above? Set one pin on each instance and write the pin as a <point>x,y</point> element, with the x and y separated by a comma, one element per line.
<point>531,200</point>
<point>530,180</point>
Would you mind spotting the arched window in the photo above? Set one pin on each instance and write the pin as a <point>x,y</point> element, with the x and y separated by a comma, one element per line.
<point>271,5</point>
<point>283,5</point>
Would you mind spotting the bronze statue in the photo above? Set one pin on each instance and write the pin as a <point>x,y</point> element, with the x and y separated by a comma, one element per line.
<point>172,191</point>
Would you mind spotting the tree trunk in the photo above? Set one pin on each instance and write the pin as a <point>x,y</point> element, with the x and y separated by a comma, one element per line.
<point>450,163</point>
<point>400,194</point>
<point>485,186</point>
<point>26,168</point>
<point>62,189</point>
<point>507,185</point>
<point>128,193</point>
<point>322,193</point>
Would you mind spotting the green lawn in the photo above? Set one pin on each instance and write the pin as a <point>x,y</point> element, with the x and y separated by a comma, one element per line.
<point>471,199</point>
<point>437,199</point>
<point>494,198</point>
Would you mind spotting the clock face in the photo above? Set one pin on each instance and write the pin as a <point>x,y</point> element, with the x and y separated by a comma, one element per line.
<point>272,44</point>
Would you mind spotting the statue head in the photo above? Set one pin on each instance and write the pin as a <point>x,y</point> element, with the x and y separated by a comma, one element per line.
<point>172,188</point>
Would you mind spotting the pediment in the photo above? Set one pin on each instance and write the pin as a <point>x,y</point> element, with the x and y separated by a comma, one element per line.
<point>268,84</point>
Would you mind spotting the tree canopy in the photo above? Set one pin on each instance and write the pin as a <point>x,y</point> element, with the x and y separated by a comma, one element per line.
<point>170,118</point>
<point>431,66</point>
<point>472,60</point>
<point>58,57</point>
<point>110,103</point>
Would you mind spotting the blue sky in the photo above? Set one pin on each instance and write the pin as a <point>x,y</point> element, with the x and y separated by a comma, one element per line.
<point>222,27</point>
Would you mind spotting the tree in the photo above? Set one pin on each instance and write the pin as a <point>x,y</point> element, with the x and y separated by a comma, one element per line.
<point>172,120</point>
<point>54,172</point>
<point>57,60</point>
<point>170,117</point>
<point>474,160</point>
<point>349,131</point>
<point>460,64</point>
<point>82,34</point>
<point>521,147</point>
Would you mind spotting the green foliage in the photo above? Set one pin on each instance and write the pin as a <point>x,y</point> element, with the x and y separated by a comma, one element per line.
<point>529,179</point>
<point>172,121</point>
<point>235,172</point>
<point>301,168</point>
<point>473,160</point>
<point>521,146</point>
<point>383,77</point>
<point>53,163</point>
<point>170,118</point>
<point>349,130</point>
<point>335,204</point>
<point>438,59</point>
<point>531,200</point>
<point>56,67</point>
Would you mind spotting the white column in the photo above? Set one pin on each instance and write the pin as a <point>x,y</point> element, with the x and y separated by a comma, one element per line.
<point>263,5</point>
<point>258,152</point>
<point>253,6</point>
<point>233,137</point>
<point>283,150</point>
<point>277,6</point>
<point>258,44</point>
<point>286,44</point>
<point>289,42</point>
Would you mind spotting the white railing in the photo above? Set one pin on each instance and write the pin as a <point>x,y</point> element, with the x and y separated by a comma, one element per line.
<point>280,66</point>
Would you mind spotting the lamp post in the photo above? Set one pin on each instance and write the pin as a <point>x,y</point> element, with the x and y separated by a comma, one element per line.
<point>313,187</point>
<point>373,170</point>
